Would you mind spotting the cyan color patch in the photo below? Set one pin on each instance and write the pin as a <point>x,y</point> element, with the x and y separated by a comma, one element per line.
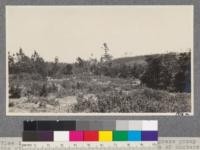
<point>134,135</point>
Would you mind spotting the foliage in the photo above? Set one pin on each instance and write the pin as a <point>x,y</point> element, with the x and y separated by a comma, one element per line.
<point>182,79</point>
<point>20,63</point>
<point>14,91</point>
<point>80,62</point>
<point>143,100</point>
<point>106,57</point>
<point>67,70</point>
<point>39,66</point>
<point>171,71</point>
<point>168,72</point>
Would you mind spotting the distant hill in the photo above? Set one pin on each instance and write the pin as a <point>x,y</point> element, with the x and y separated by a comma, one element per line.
<point>129,60</point>
<point>137,59</point>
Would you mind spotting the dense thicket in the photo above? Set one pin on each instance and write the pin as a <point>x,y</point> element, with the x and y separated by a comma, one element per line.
<point>170,72</point>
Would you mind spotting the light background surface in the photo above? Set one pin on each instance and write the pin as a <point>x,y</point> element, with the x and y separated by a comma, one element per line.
<point>69,32</point>
<point>169,126</point>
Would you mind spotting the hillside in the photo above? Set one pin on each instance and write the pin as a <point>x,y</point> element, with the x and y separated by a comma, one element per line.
<point>139,59</point>
<point>130,60</point>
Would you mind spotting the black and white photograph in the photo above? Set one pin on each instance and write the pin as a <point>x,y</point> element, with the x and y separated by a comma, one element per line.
<point>99,60</point>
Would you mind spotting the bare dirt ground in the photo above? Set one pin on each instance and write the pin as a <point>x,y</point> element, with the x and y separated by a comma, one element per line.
<point>22,105</point>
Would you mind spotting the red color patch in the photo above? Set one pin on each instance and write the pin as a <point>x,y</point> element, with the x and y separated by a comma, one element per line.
<point>90,136</point>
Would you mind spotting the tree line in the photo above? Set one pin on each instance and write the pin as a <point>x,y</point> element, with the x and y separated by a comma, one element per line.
<point>171,71</point>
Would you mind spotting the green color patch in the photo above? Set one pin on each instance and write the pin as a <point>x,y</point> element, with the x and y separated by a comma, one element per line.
<point>120,135</point>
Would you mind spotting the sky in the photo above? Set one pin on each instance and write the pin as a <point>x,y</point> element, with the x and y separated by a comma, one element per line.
<point>69,32</point>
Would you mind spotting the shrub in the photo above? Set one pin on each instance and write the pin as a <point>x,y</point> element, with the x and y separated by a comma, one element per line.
<point>14,91</point>
<point>43,91</point>
<point>35,88</point>
<point>11,104</point>
<point>140,100</point>
<point>87,103</point>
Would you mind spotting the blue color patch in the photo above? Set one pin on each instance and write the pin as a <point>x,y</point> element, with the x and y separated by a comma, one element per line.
<point>134,135</point>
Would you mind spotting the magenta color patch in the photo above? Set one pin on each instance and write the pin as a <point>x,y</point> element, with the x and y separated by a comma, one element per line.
<point>75,135</point>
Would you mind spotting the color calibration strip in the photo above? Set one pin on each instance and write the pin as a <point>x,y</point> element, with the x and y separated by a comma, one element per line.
<point>88,131</point>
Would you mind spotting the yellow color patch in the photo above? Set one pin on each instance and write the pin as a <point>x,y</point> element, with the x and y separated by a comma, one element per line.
<point>105,136</point>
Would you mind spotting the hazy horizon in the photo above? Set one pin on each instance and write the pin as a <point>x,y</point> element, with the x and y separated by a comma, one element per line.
<point>69,32</point>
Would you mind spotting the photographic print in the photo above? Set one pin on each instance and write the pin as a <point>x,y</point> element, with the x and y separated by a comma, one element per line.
<point>99,60</point>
